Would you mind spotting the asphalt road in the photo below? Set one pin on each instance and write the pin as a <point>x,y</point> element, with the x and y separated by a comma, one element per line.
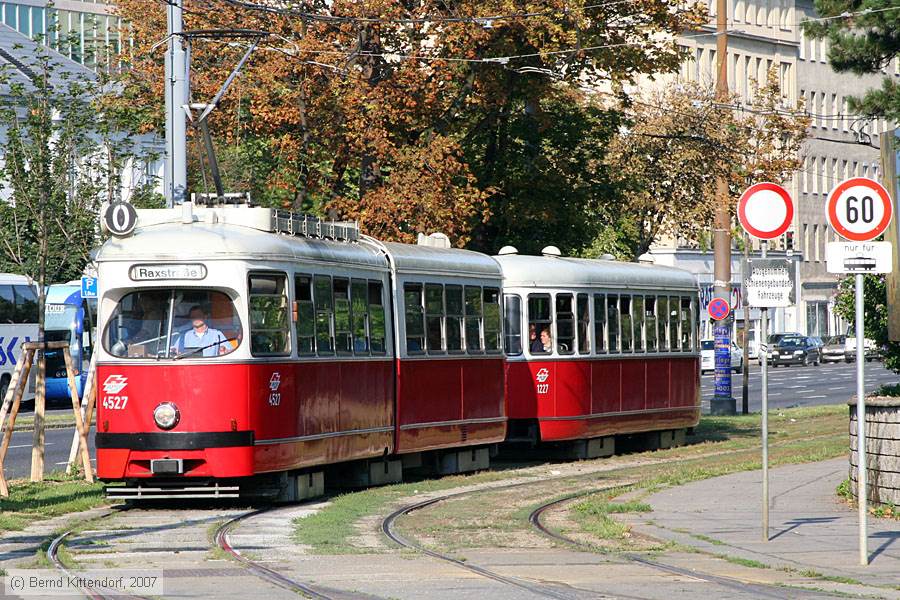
<point>57,443</point>
<point>832,383</point>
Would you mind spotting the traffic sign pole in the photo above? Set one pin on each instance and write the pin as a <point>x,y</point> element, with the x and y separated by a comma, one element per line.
<point>764,373</point>
<point>861,464</point>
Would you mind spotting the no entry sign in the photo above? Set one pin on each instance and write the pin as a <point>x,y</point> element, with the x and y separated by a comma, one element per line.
<point>859,209</point>
<point>765,210</point>
<point>718,308</point>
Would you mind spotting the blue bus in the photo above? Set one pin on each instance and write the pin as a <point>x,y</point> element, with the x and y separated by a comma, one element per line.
<point>68,317</point>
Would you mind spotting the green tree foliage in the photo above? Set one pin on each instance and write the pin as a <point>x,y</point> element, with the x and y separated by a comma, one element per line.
<point>63,157</point>
<point>864,41</point>
<point>875,315</point>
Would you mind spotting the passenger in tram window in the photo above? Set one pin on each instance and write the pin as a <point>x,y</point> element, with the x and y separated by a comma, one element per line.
<point>546,341</point>
<point>201,338</point>
<point>535,344</point>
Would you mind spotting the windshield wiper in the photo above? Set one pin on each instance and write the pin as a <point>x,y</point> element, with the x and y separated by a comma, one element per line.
<point>201,348</point>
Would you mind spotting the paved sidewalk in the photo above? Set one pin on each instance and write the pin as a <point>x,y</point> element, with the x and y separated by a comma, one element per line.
<point>810,529</point>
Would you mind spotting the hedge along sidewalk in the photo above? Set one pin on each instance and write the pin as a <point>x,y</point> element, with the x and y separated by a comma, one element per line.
<point>811,529</point>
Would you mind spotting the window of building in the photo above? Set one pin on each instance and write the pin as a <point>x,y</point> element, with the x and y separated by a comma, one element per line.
<point>473,318</point>
<point>306,315</point>
<point>584,324</point>
<point>324,314</point>
<point>600,322</point>
<point>492,319</point>
<point>414,318</point>
<point>513,312</point>
<point>434,318</point>
<point>269,325</point>
<point>565,324</point>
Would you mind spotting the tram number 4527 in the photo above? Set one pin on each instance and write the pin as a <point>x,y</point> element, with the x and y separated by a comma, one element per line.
<point>115,402</point>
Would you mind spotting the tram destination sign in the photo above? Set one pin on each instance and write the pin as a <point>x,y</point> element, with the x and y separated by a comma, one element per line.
<point>769,282</point>
<point>172,271</point>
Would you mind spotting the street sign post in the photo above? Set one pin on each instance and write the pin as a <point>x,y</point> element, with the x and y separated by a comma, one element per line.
<point>718,309</point>
<point>88,287</point>
<point>769,282</point>
<point>859,257</point>
<point>766,211</point>
<point>859,209</point>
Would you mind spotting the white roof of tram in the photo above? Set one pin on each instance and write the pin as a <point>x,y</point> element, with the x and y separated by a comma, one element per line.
<point>563,272</point>
<point>409,258</point>
<point>176,241</point>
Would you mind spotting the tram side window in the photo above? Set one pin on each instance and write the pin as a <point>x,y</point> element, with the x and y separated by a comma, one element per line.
<point>434,318</point>
<point>342,339</point>
<point>600,322</point>
<point>565,324</point>
<point>306,315</point>
<point>359,315</point>
<point>612,317</point>
<point>513,312</point>
<point>492,321</point>
<point>650,322</point>
<point>269,324</point>
<point>539,322</point>
<point>686,324</point>
<point>625,316</point>
<point>584,323</point>
<point>473,318</point>
<point>674,323</point>
<point>662,310</point>
<point>324,315</point>
<point>415,328</point>
<point>454,323</point>
<point>377,327</point>
<point>638,317</point>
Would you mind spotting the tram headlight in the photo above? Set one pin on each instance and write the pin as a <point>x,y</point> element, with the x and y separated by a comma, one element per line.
<point>166,415</point>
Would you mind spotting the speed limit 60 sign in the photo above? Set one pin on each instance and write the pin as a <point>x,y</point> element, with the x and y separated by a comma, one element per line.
<point>859,209</point>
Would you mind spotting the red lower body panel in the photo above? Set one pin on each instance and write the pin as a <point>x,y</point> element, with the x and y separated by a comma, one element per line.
<point>575,399</point>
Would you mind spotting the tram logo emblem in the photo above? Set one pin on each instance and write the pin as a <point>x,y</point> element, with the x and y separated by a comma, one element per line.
<point>114,384</point>
<point>542,375</point>
<point>274,384</point>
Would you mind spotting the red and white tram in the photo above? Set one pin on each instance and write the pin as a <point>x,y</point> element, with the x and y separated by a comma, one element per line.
<point>597,349</point>
<point>230,350</point>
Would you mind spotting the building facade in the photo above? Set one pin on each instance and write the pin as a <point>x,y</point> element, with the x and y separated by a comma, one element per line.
<point>765,35</point>
<point>84,31</point>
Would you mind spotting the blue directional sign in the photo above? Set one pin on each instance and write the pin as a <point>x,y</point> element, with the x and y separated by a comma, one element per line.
<point>88,287</point>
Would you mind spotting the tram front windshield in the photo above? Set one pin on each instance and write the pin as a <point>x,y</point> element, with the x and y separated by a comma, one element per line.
<point>173,324</point>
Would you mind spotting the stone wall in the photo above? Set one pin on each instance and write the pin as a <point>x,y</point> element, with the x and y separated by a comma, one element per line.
<point>882,449</point>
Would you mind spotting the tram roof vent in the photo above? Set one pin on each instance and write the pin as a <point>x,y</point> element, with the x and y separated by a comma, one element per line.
<point>607,256</point>
<point>303,225</point>
<point>434,240</point>
<point>507,250</point>
<point>551,251</point>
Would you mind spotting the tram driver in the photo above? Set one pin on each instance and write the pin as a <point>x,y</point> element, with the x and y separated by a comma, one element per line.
<point>201,338</point>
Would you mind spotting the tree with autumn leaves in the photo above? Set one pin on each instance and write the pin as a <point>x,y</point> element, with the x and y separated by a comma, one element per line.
<point>469,117</point>
<point>679,140</point>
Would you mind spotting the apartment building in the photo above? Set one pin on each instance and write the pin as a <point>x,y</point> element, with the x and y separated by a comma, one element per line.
<point>766,34</point>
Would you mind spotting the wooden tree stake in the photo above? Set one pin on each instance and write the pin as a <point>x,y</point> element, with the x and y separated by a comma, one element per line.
<point>79,423</point>
<point>16,389</point>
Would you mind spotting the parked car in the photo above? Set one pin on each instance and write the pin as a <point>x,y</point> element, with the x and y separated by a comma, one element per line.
<point>708,357</point>
<point>773,339</point>
<point>834,349</point>
<point>871,349</point>
<point>795,350</point>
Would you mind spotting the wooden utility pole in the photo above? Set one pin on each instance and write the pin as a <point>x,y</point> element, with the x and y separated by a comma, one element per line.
<point>723,402</point>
